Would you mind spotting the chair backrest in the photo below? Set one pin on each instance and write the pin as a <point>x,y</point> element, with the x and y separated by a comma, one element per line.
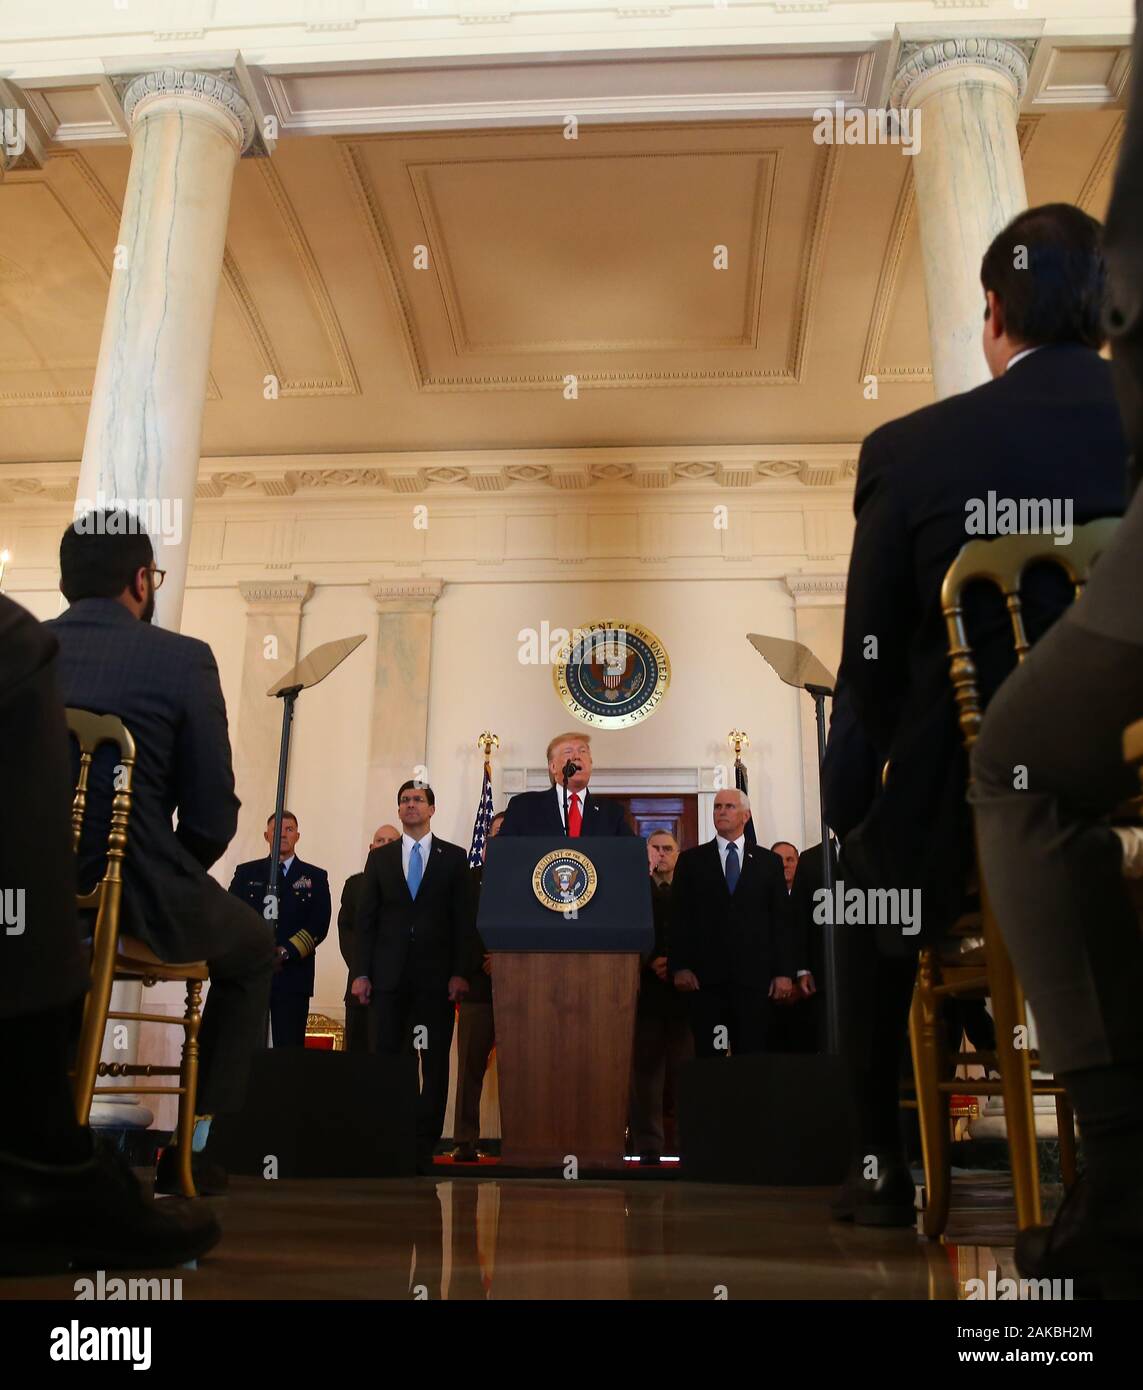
<point>1003,562</point>
<point>90,732</point>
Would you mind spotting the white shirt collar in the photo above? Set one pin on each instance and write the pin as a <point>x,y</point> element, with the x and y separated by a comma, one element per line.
<point>572,794</point>
<point>286,865</point>
<point>724,845</point>
<point>407,843</point>
<point>1026,352</point>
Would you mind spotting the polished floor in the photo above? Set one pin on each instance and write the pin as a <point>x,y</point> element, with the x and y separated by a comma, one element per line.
<point>447,1237</point>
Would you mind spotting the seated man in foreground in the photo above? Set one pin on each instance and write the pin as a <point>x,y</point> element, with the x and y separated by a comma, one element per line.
<point>1042,439</point>
<point>165,688</point>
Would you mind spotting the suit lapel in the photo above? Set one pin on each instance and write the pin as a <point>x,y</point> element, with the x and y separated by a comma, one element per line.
<point>714,859</point>
<point>555,807</point>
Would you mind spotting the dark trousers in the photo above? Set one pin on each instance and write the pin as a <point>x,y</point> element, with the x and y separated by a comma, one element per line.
<point>356,1026</point>
<point>396,1020</point>
<point>797,1027</point>
<point>662,1044</point>
<point>288,1015</point>
<point>1052,866</point>
<point>234,1016</point>
<point>731,1016</point>
<point>475,1035</point>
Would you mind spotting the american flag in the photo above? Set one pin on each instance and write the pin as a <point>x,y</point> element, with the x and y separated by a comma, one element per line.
<point>740,781</point>
<point>483,819</point>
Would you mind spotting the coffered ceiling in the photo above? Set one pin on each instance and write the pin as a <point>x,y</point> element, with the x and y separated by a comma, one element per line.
<point>698,283</point>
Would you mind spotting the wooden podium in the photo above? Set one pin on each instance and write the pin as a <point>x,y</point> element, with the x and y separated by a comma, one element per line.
<point>564,987</point>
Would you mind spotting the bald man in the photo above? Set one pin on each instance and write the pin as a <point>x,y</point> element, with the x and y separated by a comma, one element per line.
<point>357,1015</point>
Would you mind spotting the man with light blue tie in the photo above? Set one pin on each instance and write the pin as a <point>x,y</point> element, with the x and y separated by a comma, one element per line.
<point>731,934</point>
<point>415,940</point>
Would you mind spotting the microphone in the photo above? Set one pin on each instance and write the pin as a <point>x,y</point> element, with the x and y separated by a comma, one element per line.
<point>571,767</point>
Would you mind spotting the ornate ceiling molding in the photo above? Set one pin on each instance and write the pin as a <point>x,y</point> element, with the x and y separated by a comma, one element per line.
<point>921,60</point>
<point>1102,167</point>
<point>382,244</point>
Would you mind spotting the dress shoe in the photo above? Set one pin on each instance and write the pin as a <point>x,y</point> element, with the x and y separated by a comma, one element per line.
<point>465,1153</point>
<point>92,1215</point>
<point>1101,1254</point>
<point>210,1178</point>
<point>887,1200</point>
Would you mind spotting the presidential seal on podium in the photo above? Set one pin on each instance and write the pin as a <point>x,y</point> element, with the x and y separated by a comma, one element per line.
<point>612,674</point>
<point>564,880</point>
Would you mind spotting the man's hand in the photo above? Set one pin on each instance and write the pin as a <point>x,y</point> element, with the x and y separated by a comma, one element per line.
<point>486,964</point>
<point>659,966</point>
<point>281,956</point>
<point>807,986</point>
<point>457,988</point>
<point>361,989</point>
<point>686,979</point>
<point>782,989</point>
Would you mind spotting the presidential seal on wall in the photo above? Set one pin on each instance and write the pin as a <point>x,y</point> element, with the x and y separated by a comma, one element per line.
<point>612,674</point>
<point>565,880</point>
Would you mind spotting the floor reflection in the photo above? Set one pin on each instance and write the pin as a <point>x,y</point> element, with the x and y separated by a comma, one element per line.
<point>476,1238</point>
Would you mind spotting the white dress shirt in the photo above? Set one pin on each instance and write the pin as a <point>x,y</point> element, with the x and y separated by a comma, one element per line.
<point>724,846</point>
<point>286,866</point>
<point>407,843</point>
<point>1019,356</point>
<point>573,796</point>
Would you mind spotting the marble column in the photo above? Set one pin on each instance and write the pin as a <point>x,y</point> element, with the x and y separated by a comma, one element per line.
<point>819,610</point>
<point>398,743</point>
<point>145,422</point>
<point>969,180</point>
<point>270,648</point>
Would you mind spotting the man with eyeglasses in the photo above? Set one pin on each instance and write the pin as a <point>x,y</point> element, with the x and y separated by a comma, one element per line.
<point>164,687</point>
<point>415,943</point>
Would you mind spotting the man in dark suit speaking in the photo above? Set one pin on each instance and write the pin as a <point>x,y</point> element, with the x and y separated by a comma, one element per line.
<point>732,947</point>
<point>414,947</point>
<point>542,813</point>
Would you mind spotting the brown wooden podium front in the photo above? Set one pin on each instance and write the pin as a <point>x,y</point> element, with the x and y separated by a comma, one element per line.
<point>565,1023</point>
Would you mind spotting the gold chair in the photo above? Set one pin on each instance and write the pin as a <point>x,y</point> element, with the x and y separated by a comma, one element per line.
<point>982,965</point>
<point>115,957</point>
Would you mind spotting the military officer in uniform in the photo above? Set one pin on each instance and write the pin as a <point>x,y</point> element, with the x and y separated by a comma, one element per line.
<point>303,920</point>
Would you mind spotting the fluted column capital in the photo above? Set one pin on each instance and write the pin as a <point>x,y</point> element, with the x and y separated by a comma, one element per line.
<point>405,595</point>
<point>209,92</point>
<point>919,62</point>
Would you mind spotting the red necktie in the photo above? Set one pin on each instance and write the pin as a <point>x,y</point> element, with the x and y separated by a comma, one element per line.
<point>575,816</point>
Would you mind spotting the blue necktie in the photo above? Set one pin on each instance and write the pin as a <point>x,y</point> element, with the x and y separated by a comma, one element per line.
<point>732,868</point>
<point>416,870</point>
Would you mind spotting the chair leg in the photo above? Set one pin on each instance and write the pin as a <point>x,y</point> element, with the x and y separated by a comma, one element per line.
<point>932,1103</point>
<point>92,1030</point>
<point>1015,1076</point>
<point>188,1081</point>
<point>1066,1128</point>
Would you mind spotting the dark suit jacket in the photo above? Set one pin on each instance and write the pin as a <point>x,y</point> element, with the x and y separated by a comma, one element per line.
<point>538,813</point>
<point>726,939</point>
<point>660,997</point>
<point>479,984</point>
<point>407,943</point>
<point>1048,428</point>
<point>1123,250</point>
<point>43,966</point>
<point>809,940</point>
<point>165,688</point>
<point>303,916</point>
<point>347,925</point>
